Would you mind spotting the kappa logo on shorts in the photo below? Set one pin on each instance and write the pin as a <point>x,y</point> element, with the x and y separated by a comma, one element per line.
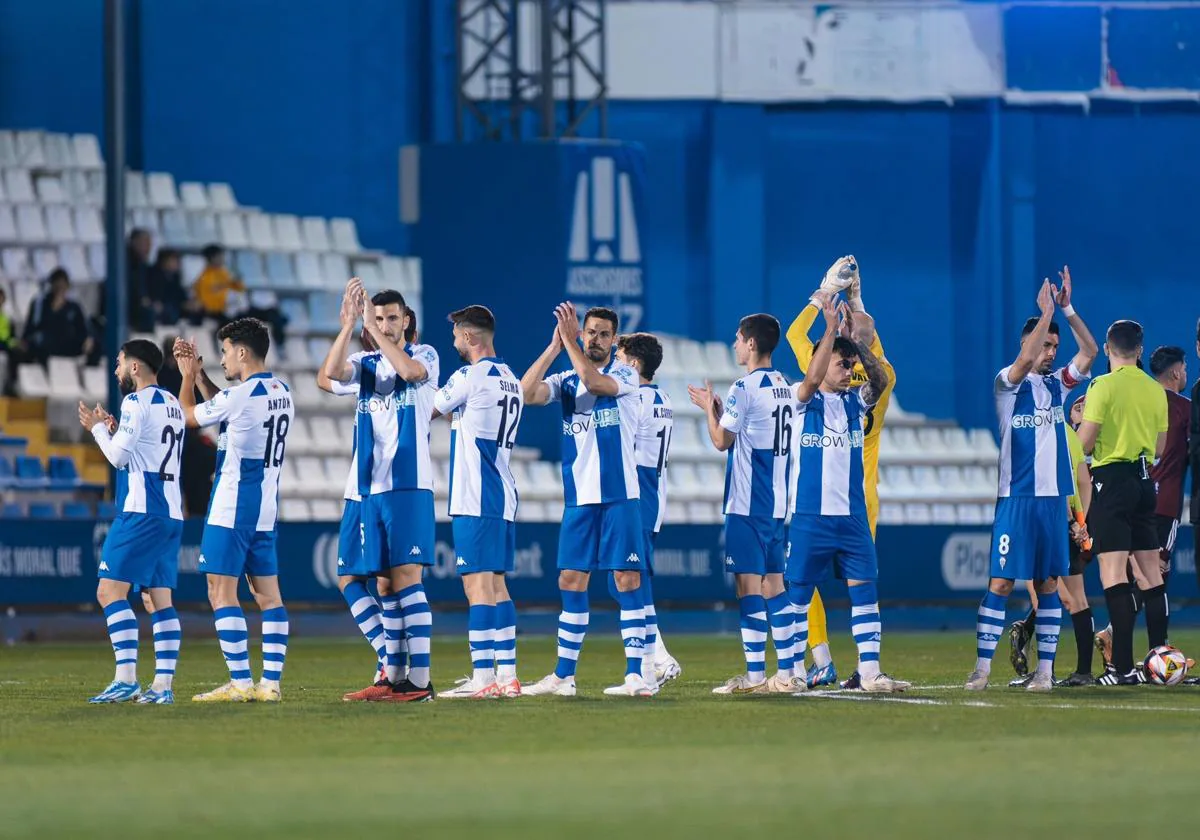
<point>415,551</point>
<point>728,560</point>
<point>341,562</point>
<point>103,566</point>
<point>201,561</point>
<point>633,558</point>
<point>460,562</point>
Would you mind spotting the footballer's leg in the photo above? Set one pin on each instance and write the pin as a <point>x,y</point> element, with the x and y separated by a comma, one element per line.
<point>479,548</point>
<point>223,552</point>
<point>1021,633</point>
<point>860,567</point>
<point>406,520</point>
<point>275,633</point>
<point>113,597</point>
<point>646,593</point>
<point>506,639</point>
<point>781,616</point>
<point>1010,557</point>
<point>746,557</point>
<point>621,552</point>
<point>822,671</point>
<point>367,614</point>
<point>164,620</point>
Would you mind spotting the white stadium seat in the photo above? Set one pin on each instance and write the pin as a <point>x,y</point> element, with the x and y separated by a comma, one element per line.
<point>315,233</point>
<point>50,190</point>
<point>326,510</point>
<point>8,149</point>
<point>18,186</point>
<point>60,223</point>
<point>29,149</point>
<point>87,151</point>
<point>31,224</point>
<point>160,190</point>
<point>32,382</point>
<point>194,196</point>
<point>345,236</point>
<point>233,230</point>
<point>287,233</point>
<point>89,227</point>
<point>8,224</point>
<point>262,235</point>
<point>59,151</point>
<point>95,383</point>
<point>294,510</point>
<point>221,198</point>
<point>135,190</point>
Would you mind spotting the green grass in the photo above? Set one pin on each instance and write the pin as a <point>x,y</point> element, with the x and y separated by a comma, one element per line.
<point>682,764</point>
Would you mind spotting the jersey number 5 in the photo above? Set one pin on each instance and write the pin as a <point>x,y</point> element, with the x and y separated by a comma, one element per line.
<point>277,429</point>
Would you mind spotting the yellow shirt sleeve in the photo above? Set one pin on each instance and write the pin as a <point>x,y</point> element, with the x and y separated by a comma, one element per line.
<point>797,336</point>
<point>1097,400</point>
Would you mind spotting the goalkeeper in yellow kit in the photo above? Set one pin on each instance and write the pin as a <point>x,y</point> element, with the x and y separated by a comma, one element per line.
<point>843,276</point>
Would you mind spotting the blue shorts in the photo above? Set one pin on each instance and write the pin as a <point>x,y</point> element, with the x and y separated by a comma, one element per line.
<point>397,529</point>
<point>754,545</point>
<point>238,551</point>
<point>483,544</point>
<point>1029,541</point>
<point>350,539</point>
<point>607,537</point>
<point>648,539</point>
<point>143,550</point>
<point>818,545</point>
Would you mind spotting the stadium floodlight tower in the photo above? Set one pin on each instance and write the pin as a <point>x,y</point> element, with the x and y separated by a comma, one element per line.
<point>518,59</point>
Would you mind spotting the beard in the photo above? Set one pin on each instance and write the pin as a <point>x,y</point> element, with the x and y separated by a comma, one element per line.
<point>596,354</point>
<point>126,384</point>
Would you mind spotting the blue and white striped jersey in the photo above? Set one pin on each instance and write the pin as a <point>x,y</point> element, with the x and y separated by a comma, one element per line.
<point>759,410</point>
<point>393,422</point>
<point>351,494</point>
<point>254,418</point>
<point>486,400</point>
<point>829,455</point>
<point>653,452</point>
<point>599,434</point>
<point>1034,458</point>
<point>146,450</point>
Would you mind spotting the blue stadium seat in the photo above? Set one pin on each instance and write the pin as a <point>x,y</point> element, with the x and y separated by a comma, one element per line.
<point>43,510</point>
<point>63,474</point>
<point>11,510</point>
<point>76,510</point>
<point>30,472</point>
<point>106,511</point>
<point>7,478</point>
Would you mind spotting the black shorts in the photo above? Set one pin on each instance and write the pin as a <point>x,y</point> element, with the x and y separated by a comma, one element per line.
<point>1079,558</point>
<point>1168,529</point>
<point>1121,517</point>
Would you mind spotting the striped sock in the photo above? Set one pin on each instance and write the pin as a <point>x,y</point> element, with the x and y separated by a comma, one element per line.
<point>633,629</point>
<point>393,629</point>
<point>123,633</point>
<point>367,616</point>
<point>783,631</point>
<point>167,634</point>
<point>866,627</point>
<point>572,627</point>
<point>647,592</point>
<point>754,636</point>
<point>800,597</point>
<point>418,629</point>
<point>989,627</point>
<point>481,620</point>
<point>1045,629</point>
<point>274,644</point>
<point>231,633</point>
<point>505,640</point>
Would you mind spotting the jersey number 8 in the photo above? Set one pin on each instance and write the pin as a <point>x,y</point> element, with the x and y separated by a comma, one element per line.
<point>277,429</point>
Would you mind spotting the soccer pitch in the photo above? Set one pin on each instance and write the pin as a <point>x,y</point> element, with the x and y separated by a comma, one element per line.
<point>932,762</point>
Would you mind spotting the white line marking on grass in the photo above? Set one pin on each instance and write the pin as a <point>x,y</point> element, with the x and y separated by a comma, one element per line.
<point>985,704</point>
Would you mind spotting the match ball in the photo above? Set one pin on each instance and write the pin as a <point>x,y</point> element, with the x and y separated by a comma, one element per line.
<point>1166,665</point>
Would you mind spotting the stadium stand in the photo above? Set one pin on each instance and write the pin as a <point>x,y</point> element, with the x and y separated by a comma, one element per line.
<point>51,197</point>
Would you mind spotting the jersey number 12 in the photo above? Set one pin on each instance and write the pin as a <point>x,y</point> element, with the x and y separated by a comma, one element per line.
<point>510,416</point>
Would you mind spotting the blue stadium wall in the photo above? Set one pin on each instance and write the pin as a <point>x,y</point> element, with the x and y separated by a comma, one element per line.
<point>956,212</point>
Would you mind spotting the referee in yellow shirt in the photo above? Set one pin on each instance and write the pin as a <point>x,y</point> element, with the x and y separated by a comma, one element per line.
<point>843,275</point>
<point>1124,429</point>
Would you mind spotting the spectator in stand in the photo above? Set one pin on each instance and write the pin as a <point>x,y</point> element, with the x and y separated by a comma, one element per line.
<point>213,288</point>
<point>171,300</point>
<point>56,325</point>
<point>144,307</point>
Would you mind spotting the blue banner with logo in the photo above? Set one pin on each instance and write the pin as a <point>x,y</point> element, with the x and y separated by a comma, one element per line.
<point>604,187</point>
<point>918,565</point>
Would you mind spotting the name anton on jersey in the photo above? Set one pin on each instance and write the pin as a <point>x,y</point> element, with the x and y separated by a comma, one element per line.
<point>279,404</point>
<point>603,417</point>
<point>854,440</point>
<point>1042,417</point>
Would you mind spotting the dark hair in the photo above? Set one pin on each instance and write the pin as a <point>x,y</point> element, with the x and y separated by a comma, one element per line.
<point>1031,325</point>
<point>410,332</point>
<point>165,254</point>
<point>604,314</point>
<point>763,330</point>
<point>250,333</point>
<point>136,232</point>
<point>479,317</point>
<point>1124,338</point>
<point>645,348</point>
<point>211,251</point>
<point>844,347</point>
<point>1164,358</point>
<point>145,351</point>
<point>58,274</point>
<point>387,297</point>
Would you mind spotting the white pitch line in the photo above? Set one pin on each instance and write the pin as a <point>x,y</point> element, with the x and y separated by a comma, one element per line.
<point>985,704</point>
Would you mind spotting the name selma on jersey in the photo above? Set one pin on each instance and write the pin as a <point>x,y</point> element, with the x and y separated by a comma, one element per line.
<point>507,387</point>
<point>603,417</point>
<point>1053,416</point>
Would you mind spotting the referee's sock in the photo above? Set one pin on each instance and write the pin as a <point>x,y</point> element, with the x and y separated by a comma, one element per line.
<point>1121,614</point>
<point>1157,615</point>
<point>1085,631</point>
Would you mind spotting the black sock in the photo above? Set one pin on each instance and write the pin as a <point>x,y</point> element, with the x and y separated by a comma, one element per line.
<point>1166,579</point>
<point>1028,620</point>
<point>1084,631</point>
<point>1155,601</point>
<point>1138,599</point>
<point>1121,616</point>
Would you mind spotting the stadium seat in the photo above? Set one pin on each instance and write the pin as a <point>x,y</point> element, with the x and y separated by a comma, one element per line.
<point>310,475</point>
<point>308,270</point>
<point>295,354</point>
<point>971,515</point>
<point>63,375</point>
<point>194,196</point>
<point>326,510</point>
<point>11,510</point>
<point>31,224</point>
<point>73,258</point>
<point>135,190</point>
<point>233,230</point>
<point>95,383</point>
<point>368,271</point>
<point>439,439</point>
<point>28,472</point>
<point>280,271</point>
<point>191,267</point>
<point>344,234</point>
<point>943,514</point>
<point>294,510</point>
<point>221,197</point>
<point>306,393</point>
<point>287,232</point>
<point>62,472</point>
<point>918,513</point>
<point>175,231</point>
<point>546,480</point>
<point>43,510</point>
<point>681,481</point>
<point>31,380</point>
<point>531,511</point>
<point>29,148</point>
<point>335,270</point>
<point>106,510</point>
<point>76,510</point>
<point>262,235</point>
<point>50,189</point>
<point>44,260</point>
<point>327,438</point>
<point>97,261</point>
<point>160,190</point>
<point>18,186</point>
<point>315,233</point>
<point>8,224</point>
<point>983,445</point>
<point>248,266</point>
<point>15,264</point>
<point>89,227</point>
<point>87,151</point>
<point>8,149</point>
<point>59,152</point>
<point>203,228</point>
